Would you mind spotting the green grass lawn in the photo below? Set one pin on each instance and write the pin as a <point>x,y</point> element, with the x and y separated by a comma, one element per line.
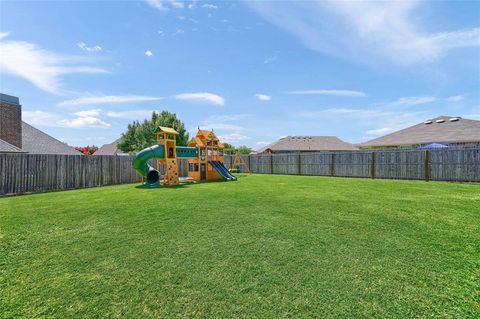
<point>265,246</point>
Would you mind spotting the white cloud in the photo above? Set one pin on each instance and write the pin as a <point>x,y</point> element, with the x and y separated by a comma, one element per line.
<point>226,130</point>
<point>202,96</point>
<point>82,119</point>
<point>209,6</point>
<point>42,68</point>
<point>380,131</point>
<point>87,118</point>
<point>108,99</point>
<point>88,113</point>
<point>84,47</point>
<point>329,92</point>
<point>41,118</point>
<point>455,98</point>
<point>4,35</point>
<point>178,4</point>
<point>412,100</point>
<point>232,137</point>
<point>271,58</point>
<point>163,5</point>
<point>351,29</point>
<point>357,113</point>
<point>148,53</point>
<point>263,97</point>
<point>263,143</point>
<point>222,126</point>
<point>157,4</point>
<point>226,118</point>
<point>132,114</point>
<point>179,31</point>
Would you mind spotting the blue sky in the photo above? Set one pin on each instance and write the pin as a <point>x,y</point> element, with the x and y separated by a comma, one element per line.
<point>252,71</point>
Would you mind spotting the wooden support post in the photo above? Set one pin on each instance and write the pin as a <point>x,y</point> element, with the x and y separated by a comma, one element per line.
<point>427,165</point>
<point>332,165</point>
<point>373,165</point>
<point>271,163</point>
<point>299,163</point>
<point>250,164</point>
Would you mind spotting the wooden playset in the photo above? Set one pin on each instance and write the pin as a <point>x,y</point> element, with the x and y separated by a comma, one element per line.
<point>204,153</point>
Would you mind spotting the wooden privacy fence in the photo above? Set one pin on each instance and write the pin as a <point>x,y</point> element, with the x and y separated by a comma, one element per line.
<point>31,173</point>
<point>441,165</point>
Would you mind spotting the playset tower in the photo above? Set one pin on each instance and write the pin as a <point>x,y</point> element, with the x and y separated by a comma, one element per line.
<point>166,136</point>
<point>210,151</point>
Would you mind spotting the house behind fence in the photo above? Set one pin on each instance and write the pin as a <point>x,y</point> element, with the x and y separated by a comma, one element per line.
<point>295,144</point>
<point>17,136</point>
<point>442,131</point>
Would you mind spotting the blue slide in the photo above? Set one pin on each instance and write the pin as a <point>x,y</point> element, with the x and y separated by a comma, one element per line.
<point>222,170</point>
<point>227,172</point>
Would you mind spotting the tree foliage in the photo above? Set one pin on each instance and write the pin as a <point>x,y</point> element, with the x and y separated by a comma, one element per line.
<point>243,149</point>
<point>229,148</point>
<point>140,135</point>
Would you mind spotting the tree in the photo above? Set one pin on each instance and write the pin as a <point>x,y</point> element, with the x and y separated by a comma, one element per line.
<point>140,135</point>
<point>87,150</point>
<point>228,148</point>
<point>243,149</point>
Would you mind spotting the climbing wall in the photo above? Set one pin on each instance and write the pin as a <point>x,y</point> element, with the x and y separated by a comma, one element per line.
<point>171,173</point>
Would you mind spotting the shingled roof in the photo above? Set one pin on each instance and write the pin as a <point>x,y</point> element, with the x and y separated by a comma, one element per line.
<point>308,144</point>
<point>442,129</point>
<point>6,147</point>
<point>35,141</point>
<point>110,149</point>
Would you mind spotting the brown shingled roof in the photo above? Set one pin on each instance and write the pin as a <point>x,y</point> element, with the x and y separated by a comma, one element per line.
<point>308,144</point>
<point>442,129</point>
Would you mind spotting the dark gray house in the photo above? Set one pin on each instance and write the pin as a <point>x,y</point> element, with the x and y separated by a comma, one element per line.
<point>17,136</point>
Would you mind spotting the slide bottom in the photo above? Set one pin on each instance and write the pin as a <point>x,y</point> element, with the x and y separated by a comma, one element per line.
<point>222,170</point>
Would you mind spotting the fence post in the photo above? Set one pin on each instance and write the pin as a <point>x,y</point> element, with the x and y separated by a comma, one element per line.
<point>271,163</point>
<point>373,165</point>
<point>332,165</point>
<point>427,165</point>
<point>250,163</point>
<point>299,160</point>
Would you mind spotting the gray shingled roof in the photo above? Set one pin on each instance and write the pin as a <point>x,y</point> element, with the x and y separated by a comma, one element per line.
<point>35,141</point>
<point>308,144</point>
<point>110,149</point>
<point>431,131</point>
<point>6,147</point>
